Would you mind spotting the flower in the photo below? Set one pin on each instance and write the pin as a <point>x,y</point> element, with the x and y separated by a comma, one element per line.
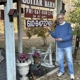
<point>36,55</point>
<point>36,72</point>
<point>23,57</point>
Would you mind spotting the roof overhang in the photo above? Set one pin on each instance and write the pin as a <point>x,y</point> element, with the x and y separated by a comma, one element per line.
<point>14,0</point>
<point>5,1</point>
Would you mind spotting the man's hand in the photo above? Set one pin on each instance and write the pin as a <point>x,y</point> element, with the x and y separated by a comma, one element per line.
<point>59,39</point>
<point>48,28</point>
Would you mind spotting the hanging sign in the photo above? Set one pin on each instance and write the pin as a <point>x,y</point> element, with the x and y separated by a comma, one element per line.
<point>38,23</point>
<point>40,3</point>
<point>37,13</point>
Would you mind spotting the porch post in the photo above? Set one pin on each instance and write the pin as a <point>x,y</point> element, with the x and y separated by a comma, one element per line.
<point>59,8</point>
<point>19,27</point>
<point>9,43</point>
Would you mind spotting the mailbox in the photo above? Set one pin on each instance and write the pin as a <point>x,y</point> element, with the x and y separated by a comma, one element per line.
<point>12,13</point>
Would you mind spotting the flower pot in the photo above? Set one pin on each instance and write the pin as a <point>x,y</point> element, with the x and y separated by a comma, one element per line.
<point>23,69</point>
<point>36,60</point>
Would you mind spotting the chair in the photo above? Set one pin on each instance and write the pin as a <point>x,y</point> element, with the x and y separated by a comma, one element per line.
<point>47,62</point>
<point>33,49</point>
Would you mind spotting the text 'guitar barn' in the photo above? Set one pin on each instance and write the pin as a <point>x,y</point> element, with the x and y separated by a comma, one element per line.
<point>41,3</point>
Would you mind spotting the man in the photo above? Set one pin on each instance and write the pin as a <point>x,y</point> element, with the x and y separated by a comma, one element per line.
<point>63,37</point>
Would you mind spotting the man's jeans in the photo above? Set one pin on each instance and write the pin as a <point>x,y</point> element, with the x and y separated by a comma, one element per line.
<point>68,52</point>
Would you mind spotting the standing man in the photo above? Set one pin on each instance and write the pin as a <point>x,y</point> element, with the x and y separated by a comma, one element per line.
<point>63,36</point>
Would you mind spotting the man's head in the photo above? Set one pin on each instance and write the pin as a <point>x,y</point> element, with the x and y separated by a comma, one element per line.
<point>60,18</point>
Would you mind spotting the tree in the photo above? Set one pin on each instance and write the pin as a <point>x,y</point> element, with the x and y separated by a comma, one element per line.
<point>39,31</point>
<point>74,18</point>
<point>42,32</point>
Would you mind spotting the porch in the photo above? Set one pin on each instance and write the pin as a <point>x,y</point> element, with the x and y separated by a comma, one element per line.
<point>49,74</point>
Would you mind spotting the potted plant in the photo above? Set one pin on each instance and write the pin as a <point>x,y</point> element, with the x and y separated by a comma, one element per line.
<point>23,63</point>
<point>22,58</point>
<point>36,57</point>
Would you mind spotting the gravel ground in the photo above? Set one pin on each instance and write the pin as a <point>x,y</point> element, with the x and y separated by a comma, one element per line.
<point>28,43</point>
<point>66,75</point>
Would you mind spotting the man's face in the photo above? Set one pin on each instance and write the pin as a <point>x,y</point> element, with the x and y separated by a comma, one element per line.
<point>60,19</point>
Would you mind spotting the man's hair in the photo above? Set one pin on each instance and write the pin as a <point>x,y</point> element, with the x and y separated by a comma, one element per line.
<point>60,14</point>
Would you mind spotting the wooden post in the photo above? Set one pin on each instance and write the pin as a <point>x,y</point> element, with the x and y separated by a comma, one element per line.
<point>19,27</point>
<point>9,43</point>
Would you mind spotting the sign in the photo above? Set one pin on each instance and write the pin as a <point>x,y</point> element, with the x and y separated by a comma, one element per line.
<point>38,23</point>
<point>40,3</point>
<point>37,13</point>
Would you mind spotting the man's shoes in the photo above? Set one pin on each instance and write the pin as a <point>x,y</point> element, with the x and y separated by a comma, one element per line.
<point>72,76</point>
<point>60,74</point>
